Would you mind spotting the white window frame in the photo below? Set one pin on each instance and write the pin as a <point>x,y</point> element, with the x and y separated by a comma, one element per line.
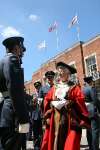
<point>85,58</point>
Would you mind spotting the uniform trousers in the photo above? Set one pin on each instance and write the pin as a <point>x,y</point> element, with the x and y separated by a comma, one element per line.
<point>9,139</point>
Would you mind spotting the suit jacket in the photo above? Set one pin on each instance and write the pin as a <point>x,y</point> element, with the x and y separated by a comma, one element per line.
<point>12,80</point>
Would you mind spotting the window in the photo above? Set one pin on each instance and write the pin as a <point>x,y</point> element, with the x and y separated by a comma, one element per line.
<point>91,66</point>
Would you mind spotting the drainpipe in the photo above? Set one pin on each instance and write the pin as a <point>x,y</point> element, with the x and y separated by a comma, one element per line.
<point>81,46</point>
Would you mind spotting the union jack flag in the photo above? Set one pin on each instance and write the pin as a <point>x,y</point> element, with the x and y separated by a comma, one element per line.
<point>53,27</point>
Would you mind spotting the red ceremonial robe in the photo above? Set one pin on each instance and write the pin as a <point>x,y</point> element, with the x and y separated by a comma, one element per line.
<point>72,141</point>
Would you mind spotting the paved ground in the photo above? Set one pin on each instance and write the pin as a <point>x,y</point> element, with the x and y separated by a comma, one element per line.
<point>29,145</point>
<point>84,145</point>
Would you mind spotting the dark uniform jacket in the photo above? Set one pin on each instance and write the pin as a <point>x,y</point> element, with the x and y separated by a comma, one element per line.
<point>91,97</point>
<point>12,82</point>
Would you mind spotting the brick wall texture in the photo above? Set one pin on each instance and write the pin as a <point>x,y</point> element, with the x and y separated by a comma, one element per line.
<point>75,54</point>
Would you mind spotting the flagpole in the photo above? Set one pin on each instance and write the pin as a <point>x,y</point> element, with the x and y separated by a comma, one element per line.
<point>57,39</point>
<point>78,29</point>
<point>78,32</point>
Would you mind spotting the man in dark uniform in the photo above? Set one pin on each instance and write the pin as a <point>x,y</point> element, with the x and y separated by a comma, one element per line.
<point>36,124</point>
<point>50,77</point>
<point>92,104</point>
<point>41,90</point>
<point>14,119</point>
<point>38,87</point>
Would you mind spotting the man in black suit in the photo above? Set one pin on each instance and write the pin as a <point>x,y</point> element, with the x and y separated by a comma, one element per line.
<point>14,117</point>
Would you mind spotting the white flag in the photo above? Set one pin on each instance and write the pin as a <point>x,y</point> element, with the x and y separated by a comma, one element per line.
<point>73,21</point>
<point>42,45</point>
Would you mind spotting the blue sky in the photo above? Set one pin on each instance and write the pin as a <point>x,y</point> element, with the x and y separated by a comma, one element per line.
<point>32,18</point>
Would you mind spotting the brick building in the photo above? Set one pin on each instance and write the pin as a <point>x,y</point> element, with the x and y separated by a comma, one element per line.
<point>85,56</point>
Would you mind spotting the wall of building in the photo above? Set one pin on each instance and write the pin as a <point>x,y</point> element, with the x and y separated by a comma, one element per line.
<point>92,47</point>
<point>75,54</point>
<point>29,87</point>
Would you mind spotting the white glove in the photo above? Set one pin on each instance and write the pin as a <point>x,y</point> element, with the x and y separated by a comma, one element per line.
<point>24,128</point>
<point>58,104</point>
<point>40,99</point>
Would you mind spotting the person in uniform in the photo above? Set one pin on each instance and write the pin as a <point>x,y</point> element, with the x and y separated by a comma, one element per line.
<point>49,76</point>
<point>41,91</point>
<point>92,103</point>
<point>38,87</point>
<point>65,112</point>
<point>36,124</point>
<point>14,119</point>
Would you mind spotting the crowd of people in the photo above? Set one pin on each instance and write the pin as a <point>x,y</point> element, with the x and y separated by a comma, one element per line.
<point>54,116</point>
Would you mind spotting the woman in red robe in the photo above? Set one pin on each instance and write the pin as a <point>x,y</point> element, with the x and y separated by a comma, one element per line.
<point>65,113</point>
